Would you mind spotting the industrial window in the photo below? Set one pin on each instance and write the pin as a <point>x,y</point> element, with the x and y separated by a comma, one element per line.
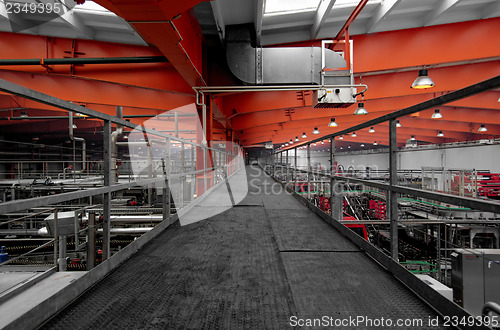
<point>288,6</point>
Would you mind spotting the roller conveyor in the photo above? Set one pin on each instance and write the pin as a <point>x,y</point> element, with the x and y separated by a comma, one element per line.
<point>257,265</point>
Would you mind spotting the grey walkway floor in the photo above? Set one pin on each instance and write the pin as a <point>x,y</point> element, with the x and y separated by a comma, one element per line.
<point>254,266</point>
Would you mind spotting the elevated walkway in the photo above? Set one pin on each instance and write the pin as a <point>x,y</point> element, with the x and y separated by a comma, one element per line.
<point>266,263</point>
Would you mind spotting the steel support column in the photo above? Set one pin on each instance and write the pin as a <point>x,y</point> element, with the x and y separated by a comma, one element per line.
<point>166,187</point>
<point>106,248</point>
<point>393,196</point>
<point>308,172</point>
<point>91,242</point>
<point>294,178</point>
<point>287,166</point>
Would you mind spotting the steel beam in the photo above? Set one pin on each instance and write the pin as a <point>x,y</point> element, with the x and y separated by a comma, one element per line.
<point>435,102</point>
<point>108,181</point>
<point>319,19</point>
<point>91,241</point>
<point>30,94</point>
<point>392,202</point>
<point>308,172</point>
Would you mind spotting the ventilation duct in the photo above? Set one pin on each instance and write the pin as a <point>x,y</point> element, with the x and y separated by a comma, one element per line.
<point>288,66</point>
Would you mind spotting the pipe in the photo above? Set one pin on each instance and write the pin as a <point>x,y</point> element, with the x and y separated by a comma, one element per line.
<point>351,18</point>
<point>89,60</point>
<point>124,231</point>
<point>114,146</point>
<point>82,140</point>
<point>45,233</point>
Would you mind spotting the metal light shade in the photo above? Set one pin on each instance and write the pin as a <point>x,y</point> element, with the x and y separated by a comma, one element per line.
<point>23,114</point>
<point>304,136</point>
<point>482,128</point>
<point>74,126</point>
<point>440,133</point>
<point>437,114</point>
<point>341,137</point>
<point>375,143</point>
<point>361,109</point>
<point>291,141</point>
<point>296,139</point>
<point>316,131</point>
<point>423,81</point>
<point>398,124</point>
<point>353,134</point>
<point>413,138</point>
<point>332,123</point>
<point>371,130</point>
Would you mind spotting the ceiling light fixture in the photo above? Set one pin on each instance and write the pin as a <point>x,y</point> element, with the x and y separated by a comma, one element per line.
<point>362,145</point>
<point>322,142</point>
<point>23,114</point>
<point>333,123</point>
<point>371,130</point>
<point>353,134</point>
<point>341,137</point>
<point>375,143</point>
<point>398,124</point>
<point>296,139</point>
<point>361,109</point>
<point>286,144</point>
<point>304,136</point>
<point>423,81</point>
<point>440,134</point>
<point>482,128</point>
<point>315,131</point>
<point>74,126</point>
<point>291,141</point>
<point>437,114</point>
<point>413,138</point>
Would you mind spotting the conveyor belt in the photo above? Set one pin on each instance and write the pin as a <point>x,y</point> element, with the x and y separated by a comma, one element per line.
<point>254,266</point>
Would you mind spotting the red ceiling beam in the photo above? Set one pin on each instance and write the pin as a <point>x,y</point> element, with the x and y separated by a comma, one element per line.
<point>152,75</point>
<point>444,44</point>
<point>446,79</point>
<point>82,90</point>
<point>171,27</point>
<point>427,46</point>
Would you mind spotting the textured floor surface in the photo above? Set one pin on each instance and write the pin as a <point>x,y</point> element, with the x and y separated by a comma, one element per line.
<point>253,266</point>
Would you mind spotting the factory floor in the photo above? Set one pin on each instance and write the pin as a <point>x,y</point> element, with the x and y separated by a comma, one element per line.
<point>267,263</point>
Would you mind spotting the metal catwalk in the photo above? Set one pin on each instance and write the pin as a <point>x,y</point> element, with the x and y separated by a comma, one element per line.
<point>266,263</point>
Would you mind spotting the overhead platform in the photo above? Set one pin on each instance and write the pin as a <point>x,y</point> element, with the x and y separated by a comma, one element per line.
<point>264,264</point>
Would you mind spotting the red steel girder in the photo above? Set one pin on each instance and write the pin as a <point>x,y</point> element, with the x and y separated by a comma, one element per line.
<point>444,44</point>
<point>426,46</point>
<point>83,91</point>
<point>170,26</point>
<point>152,75</point>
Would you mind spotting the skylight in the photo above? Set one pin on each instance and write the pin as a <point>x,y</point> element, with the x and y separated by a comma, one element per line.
<point>287,6</point>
